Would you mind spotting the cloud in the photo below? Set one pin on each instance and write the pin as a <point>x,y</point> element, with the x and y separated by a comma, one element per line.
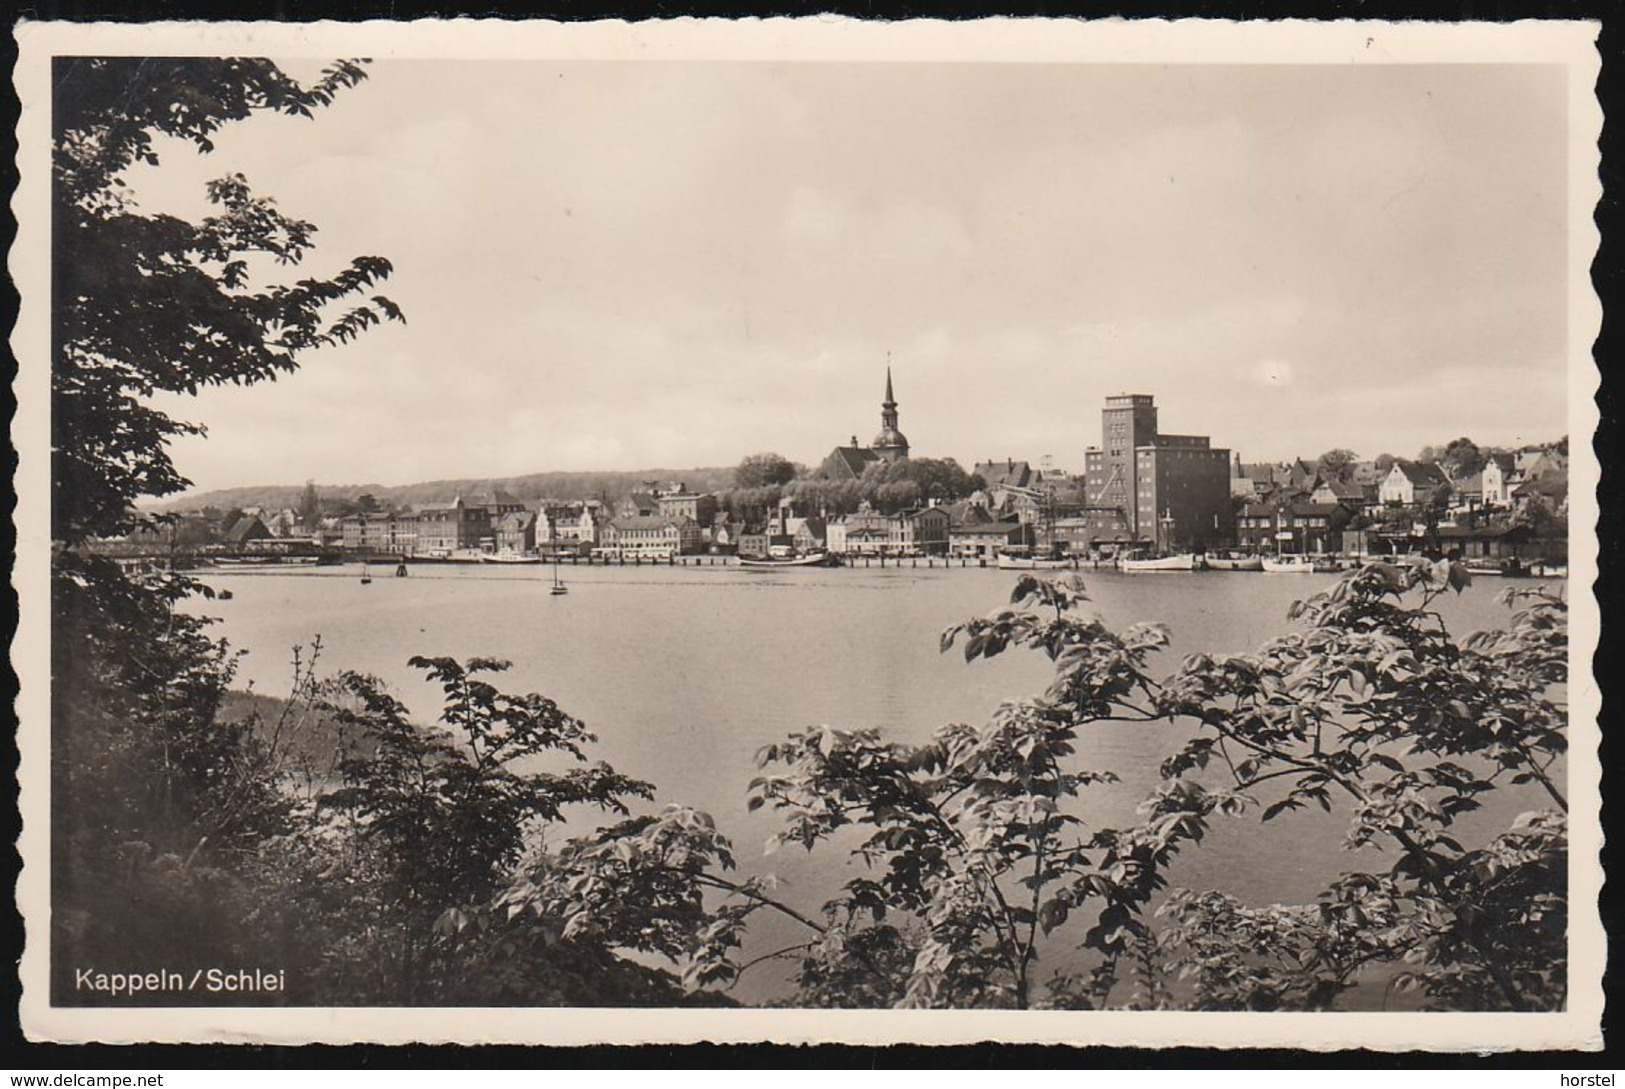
<point>617,265</point>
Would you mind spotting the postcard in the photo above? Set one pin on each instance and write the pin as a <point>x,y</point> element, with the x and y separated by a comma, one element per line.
<point>809,531</point>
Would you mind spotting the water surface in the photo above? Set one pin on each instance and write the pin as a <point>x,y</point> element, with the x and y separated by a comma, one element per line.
<point>684,673</point>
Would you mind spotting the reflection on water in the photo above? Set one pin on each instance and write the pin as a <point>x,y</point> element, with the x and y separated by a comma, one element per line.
<point>684,673</point>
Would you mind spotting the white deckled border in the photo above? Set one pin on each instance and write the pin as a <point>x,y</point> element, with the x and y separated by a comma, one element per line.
<point>1032,41</point>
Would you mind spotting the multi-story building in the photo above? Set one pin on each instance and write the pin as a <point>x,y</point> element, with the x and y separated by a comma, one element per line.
<point>443,530</point>
<point>1411,482</point>
<point>1256,527</point>
<point>985,540</point>
<point>403,533</point>
<point>1144,485</point>
<point>922,531</point>
<point>1300,527</point>
<point>1128,422</point>
<point>864,532</point>
<point>350,530</point>
<point>651,535</point>
<point>566,525</point>
<point>516,531</point>
<point>375,532</point>
<point>1497,480</point>
<point>684,504</point>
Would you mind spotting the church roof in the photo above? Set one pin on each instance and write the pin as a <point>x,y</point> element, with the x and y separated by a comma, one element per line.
<point>853,459</point>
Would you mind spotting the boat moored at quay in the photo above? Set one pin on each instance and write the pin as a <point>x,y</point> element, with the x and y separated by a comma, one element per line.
<point>1288,565</point>
<point>1223,562</point>
<point>1011,562</point>
<point>1182,561</point>
<point>512,557</point>
<point>810,559</point>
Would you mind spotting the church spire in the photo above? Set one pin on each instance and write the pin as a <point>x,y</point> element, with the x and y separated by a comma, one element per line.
<point>890,443</point>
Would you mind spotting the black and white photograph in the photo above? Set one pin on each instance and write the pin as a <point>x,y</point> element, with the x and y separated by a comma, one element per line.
<point>714,531</point>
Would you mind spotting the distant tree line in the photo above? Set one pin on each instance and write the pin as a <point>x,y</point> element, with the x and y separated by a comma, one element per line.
<point>761,480</point>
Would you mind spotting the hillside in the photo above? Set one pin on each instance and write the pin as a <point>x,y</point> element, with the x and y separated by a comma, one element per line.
<point>557,485</point>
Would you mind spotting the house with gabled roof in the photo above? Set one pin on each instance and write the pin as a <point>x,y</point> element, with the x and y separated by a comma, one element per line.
<point>246,528</point>
<point>1342,492</point>
<point>1413,482</point>
<point>516,531</point>
<point>1498,478</point>
<point>1006,473</point>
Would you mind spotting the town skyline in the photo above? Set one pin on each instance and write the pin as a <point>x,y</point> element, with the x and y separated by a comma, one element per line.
<point>627,276</point>
<point>1046,461</point>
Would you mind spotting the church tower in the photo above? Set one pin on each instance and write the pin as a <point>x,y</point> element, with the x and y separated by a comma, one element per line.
<point>890,444</point>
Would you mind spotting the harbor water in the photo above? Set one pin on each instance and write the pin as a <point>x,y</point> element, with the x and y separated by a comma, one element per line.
<point>684,673</point>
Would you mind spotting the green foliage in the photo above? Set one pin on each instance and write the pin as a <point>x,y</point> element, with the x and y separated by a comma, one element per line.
<point>974,851</point>
<point>1335,464</point>
<point>1461,458</point>
<point>430,827</point>
<point>153,303</point>
<point>891,486</point>
<point>159,802</point>
<point>1374,707</point>
<point>156,797</point>
<point>831,497</point>
<point>446,810</point>
<point>971,839</point>
<point>764,471</point>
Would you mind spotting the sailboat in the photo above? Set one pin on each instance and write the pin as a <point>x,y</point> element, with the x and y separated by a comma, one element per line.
<point>366,579</point>
<point>558,589</point>
<point>1046,554</point>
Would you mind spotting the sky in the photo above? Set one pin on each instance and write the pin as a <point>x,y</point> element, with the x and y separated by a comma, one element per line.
<point>621,265</point>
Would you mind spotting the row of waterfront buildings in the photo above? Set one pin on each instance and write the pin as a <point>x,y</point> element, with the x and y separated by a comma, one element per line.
<point>1141,489</point>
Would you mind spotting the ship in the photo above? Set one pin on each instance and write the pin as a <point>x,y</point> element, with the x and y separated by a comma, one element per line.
<point>1182,561</point>
<point>511,557</point>
<point>1289,564</point>
<point>810,559</point>
<point>1233,563</point>
<point>1008,562</point>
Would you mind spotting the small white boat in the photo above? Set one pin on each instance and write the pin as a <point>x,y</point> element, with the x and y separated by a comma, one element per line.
<point>1233,563</point>
<point>811,559</point>
<point>1296,565</point>
<point>511,557</point>
<point>1183,561</point>
<point>1550,569</point>
<point>1033,563</point>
